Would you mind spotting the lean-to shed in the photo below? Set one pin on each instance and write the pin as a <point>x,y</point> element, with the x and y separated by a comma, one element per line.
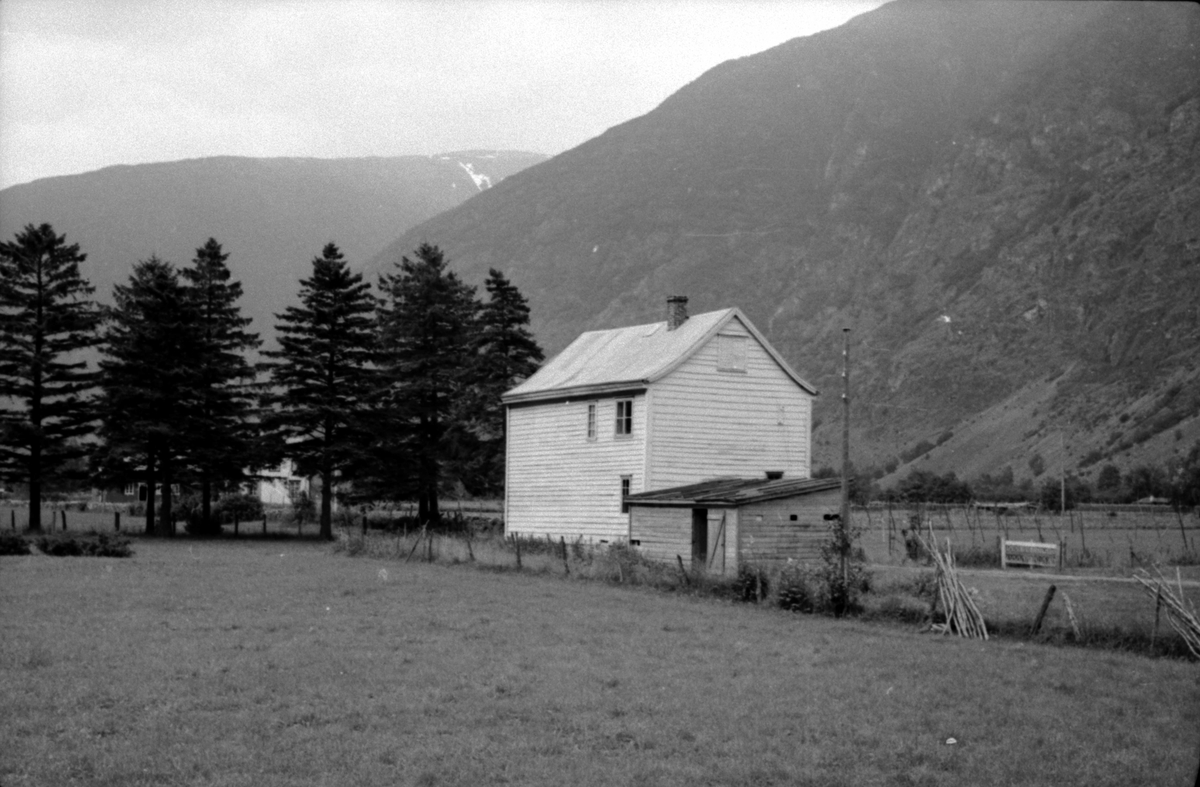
<point>719,525</point>
<point>649,407</point>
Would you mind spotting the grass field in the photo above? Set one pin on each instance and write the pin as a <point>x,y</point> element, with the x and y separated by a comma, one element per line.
<point>260,663</point>
<point>1118,540</point>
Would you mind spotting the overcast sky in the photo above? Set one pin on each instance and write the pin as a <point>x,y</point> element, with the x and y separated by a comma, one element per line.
<point>86,84</point>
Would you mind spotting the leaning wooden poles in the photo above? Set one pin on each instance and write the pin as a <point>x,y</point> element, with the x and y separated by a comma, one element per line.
<point>1181,613</point>
<point>962,616</point>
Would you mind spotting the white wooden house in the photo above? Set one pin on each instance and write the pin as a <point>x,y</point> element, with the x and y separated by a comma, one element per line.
<point>644,408</point>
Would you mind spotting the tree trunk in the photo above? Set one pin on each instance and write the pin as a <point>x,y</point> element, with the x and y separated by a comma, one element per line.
<point>167,525</point>
<point>326,502</point>
<point>206,504</point>
<point>151,493</point>
<point>35,496</point>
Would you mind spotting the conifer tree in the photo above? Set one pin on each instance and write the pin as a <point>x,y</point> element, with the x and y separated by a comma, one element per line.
<point>46,318</point>
<point>149,400</point>
<point>505,354</point>
<point>221,436</point>
<point>323,375</point>
<point>426,324</point>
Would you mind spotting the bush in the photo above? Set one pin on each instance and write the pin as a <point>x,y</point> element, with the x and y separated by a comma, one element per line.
<point>794,594</point>
<point>244,508</point>
<point>12,544</point>
<point>752,584</point>
<point>84,545</point>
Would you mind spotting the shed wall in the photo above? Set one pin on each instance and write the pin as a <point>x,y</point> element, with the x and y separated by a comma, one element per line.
<point>769,536</point>
<point>665,533</point>
<point>560,483</point>
<point>707,422</point>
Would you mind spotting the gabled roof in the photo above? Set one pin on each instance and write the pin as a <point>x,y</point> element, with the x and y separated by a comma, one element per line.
<point>621,359</point>
<point>734,491</point>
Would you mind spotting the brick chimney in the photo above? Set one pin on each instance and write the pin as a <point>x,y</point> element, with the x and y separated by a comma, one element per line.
<point>676,311</point>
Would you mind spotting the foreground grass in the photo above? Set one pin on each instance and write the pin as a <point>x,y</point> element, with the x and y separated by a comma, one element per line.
<point>238,664</point>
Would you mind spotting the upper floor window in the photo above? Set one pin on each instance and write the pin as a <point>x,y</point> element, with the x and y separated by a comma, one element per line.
<point>731,353</point>
<point>624,417</point>
<point>591,421</point>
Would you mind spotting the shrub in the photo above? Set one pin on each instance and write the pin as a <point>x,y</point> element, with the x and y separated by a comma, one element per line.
<point>794,593</point>
<point>12,544</point>
<point>242,507</point>
<point>752,584</point>
<point>84,545</point>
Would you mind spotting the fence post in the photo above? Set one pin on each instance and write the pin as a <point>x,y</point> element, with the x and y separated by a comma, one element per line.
<point>566,566</point>
<point>264,523</point>
<point>517,544</point>
<point>12,518</point>
<point>64,520</point>
<point>1037,622</point>
<point>117,521</point>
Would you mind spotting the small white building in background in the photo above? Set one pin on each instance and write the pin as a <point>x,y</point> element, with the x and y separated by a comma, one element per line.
<point>280,486</point>
<point>645,408</point>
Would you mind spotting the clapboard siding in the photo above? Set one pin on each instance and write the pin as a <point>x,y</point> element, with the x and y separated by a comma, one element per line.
<point>707,423</point>
<point>768,536</point>
<point>665,534</point>
<point>562,484</point>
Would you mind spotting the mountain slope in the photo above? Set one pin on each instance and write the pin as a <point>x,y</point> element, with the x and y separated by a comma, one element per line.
<point>271,215</point>
<point>992,195</point>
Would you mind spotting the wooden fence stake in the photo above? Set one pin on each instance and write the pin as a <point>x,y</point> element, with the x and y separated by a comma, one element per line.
<point>566,565</point>
<point>12,518</point>
<point>64,520</point>
<point>1157,612</point>
<point>470,551</point>
<point>416,543</point>
<point>264,524</point>
<point>429,548</point>
<point>1037,622</point>
<point>686,579</point>
<point>116,521</point>
<point>517,544</point>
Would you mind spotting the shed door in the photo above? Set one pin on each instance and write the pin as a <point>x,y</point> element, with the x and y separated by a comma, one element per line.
<point>699,538</point>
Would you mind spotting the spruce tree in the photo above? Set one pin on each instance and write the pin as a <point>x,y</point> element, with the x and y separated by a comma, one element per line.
<point>46,319</point>
<point>505,354</point>
<point>425,331</point>
<point>323,376</point>
<point>221,436</point>
<point>149,400</point>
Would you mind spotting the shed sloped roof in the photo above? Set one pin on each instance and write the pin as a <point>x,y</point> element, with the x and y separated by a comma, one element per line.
<point>734,491</point>
<point>622,358</point>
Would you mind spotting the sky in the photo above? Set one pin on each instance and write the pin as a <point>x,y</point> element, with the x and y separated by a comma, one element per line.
<point>86,84</point>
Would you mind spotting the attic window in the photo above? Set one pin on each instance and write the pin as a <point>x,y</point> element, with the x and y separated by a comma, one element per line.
<point>731,353</point>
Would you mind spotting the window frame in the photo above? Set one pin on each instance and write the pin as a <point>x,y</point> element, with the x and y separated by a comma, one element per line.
<point>591,430</point>
<point>725,343</point>
<point>624,418</point>
<point>626,491</point>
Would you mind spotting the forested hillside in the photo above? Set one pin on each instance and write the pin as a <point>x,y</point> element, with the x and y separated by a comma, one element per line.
<point>272,216</point>
<point>1002,200</point>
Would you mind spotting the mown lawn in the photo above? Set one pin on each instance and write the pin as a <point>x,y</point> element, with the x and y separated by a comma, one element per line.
<point>281,663</point>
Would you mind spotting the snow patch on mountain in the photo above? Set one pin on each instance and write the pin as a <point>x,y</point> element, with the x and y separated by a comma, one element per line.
<point>481,181</point>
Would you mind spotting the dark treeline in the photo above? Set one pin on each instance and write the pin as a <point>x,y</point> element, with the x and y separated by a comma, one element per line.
<point>1177,482</point>
<point>392,395</point>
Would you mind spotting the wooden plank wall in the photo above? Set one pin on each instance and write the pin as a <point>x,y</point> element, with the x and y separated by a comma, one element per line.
<point>559,483</point>
<point>708,423</point>
<point>665,532</point>
<point>769,536</point>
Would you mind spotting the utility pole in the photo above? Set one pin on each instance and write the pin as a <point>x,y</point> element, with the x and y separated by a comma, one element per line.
<point>1062,473</point>
<point>844,524</point>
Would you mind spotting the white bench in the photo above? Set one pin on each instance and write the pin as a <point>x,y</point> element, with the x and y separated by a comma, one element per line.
<point>1034,554</point>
